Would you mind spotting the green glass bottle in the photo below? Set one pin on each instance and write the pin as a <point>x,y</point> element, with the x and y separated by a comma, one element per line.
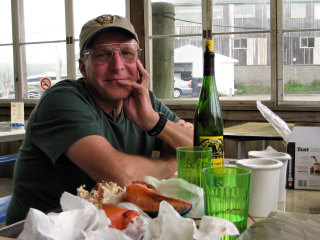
<point>208,123</point>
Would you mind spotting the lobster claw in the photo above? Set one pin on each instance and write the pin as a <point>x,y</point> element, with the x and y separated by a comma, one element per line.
<point>148,199</point>
<point>120,217</point>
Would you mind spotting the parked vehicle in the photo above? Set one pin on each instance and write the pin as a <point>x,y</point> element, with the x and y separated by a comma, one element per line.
<point>181,87</point>
<point>196,85</point>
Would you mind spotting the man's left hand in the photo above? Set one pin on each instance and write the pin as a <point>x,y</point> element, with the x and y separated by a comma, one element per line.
<point>137,106</point>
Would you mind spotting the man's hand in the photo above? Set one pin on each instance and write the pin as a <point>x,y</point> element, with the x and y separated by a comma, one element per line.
<point>137,106</point>
<point>183,123</point>
<point>143,75</point>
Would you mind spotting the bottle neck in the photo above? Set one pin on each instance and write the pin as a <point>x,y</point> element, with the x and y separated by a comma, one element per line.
<point>208,65</point>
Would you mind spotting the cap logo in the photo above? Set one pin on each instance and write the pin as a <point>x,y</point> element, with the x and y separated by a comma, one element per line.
<point>105,19</point>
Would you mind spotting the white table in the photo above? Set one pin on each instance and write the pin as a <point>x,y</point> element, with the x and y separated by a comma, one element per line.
<point>7,134</point>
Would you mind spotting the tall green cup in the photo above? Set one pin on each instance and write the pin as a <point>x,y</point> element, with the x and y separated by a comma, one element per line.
<point>191,161</point>
<point>226,195</point>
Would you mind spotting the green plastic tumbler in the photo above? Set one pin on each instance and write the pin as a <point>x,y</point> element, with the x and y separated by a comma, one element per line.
<point>226,195</point>
<point>191,162</point>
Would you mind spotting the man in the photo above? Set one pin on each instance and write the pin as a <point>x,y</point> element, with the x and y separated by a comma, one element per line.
<point>103,126</point>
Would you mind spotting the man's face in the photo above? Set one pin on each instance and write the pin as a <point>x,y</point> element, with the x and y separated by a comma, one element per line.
<point>102,79</point>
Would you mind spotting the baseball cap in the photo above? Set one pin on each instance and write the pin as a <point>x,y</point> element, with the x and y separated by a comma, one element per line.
<point>102,23</point>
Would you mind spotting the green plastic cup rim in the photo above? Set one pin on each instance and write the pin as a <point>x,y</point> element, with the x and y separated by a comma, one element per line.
<point>220,170</point>
<point>194,149</point>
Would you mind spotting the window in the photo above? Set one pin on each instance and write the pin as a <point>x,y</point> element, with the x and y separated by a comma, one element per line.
<point>306,42</point>
<point>244,11</point>
<point>261,58</point>
<point>317,11</point>
<point>242,54</point>
<point>41,47</point>
<point>240,43</point>
<point>298,10</point>
<point>180,54</point>
<point>248,50</point>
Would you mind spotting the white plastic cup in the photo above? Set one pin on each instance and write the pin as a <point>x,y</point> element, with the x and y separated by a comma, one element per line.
<point>282,157</point>
<point>264,185</point>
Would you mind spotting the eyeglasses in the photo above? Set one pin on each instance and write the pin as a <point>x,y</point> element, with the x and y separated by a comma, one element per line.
<point>103,53</point>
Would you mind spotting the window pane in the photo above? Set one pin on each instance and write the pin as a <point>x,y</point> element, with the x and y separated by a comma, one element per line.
<point>5,17</point>
<point>311,42</point>
<point>185,17</point>
<point>239,17</point>
<point>44,20</point>
<point>243,73</point>
<point>304,42</point>
<point>6,73</point>
<point>301,72</point>
<point>44,61</point>
<point>84,11</point>
<point>175,68</point>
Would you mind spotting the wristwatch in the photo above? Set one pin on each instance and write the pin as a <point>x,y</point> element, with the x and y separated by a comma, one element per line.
<point>159,126</point>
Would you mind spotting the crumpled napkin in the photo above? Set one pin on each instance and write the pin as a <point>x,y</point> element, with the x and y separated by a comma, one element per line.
<point>81,220</point>
<point>285,226</point>
<point>179,188</point>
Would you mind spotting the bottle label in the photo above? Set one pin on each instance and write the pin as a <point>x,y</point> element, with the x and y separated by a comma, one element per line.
<point>216,143</point>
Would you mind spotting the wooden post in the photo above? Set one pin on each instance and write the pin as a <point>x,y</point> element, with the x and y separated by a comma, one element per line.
<point>163,15</point>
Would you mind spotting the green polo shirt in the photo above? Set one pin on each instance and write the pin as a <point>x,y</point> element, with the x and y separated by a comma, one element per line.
<point>63,115</point>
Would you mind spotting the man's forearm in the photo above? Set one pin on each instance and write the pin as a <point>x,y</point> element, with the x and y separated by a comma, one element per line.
<point>177,134</point>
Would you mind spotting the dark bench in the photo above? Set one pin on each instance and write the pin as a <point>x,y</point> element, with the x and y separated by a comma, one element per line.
<point>4,201</point>
<point>8,159</point>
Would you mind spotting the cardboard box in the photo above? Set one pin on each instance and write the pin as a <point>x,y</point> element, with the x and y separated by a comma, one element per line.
<point>303,170</point>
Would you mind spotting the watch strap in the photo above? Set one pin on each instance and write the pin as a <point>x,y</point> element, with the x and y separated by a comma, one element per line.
<point>159,126</point>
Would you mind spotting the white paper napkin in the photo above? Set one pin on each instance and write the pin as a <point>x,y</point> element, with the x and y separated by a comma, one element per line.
<point>81,220</point>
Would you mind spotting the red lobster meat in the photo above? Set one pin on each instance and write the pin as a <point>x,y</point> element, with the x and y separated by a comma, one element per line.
<point>148,199</point>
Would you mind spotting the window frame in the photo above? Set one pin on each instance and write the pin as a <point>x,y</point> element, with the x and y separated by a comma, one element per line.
<point>276,33</point>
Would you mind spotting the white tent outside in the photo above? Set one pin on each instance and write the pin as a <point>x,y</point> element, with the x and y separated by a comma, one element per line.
<point>224,66</point>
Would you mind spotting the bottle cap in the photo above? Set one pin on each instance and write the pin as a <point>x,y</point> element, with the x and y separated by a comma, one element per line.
<point>209,45</point>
